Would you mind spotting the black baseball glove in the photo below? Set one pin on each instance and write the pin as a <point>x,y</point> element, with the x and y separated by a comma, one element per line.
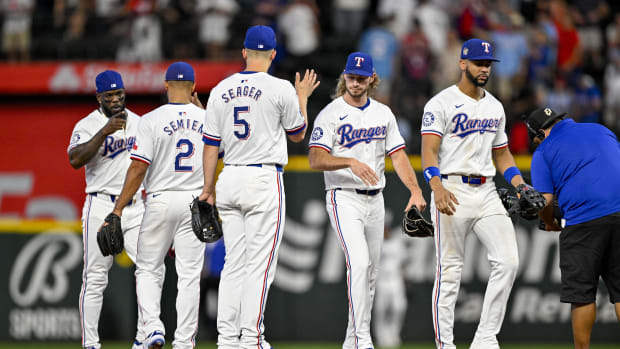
<point>110,236</point>
<point>530,201</point>
<point>206,222</point>
<point>415,225</point>
<point>527,206</point>
<point>510,202</point>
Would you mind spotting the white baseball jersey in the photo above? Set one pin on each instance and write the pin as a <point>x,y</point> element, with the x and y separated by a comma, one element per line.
<point>169,140</point>
<point>366,134</point>
<point>104,174</point>
<point>469,130</point>
<point>248,114</point>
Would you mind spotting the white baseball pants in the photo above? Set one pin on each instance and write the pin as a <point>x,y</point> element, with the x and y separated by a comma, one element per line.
<point>481,211</point>
<point>167,222</point>
<point>358,219</point>
<point>251,203</point>
<point>96,266</point>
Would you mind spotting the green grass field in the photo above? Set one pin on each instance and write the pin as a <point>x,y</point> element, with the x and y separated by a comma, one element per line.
<point>292,345</point>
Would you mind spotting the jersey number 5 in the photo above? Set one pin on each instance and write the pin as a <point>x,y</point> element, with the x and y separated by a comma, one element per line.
<point>184,155</point>
<point>241,122</point>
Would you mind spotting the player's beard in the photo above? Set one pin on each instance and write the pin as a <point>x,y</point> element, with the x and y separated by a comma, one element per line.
<point>474,79</point>
<point>357,95</point>
<point>107,111</point>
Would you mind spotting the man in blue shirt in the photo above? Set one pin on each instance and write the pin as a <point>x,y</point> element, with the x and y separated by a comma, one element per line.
<point>579,164</point>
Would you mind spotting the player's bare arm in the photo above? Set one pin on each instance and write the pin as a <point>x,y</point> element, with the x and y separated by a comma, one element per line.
<point>209,164</point>
<point>503,160</point>
<point>445,200</point>
<point>407,176</point>
<point>321,160</point>
<point>83,153</point>
<point>546,214</point>
<point>304,88</point>
<point>133,180</point>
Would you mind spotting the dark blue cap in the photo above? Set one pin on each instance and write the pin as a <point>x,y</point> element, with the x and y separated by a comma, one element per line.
<point>260,37</point>
<point>108,80</point>
<point>359,63</point>
<point>477,50</point>
<point>180,71</point>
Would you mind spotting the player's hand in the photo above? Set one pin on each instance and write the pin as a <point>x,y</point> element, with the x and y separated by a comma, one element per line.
<point>207,196</point>
<point>417,200</point>
<point>364,172</point>
<point>196,100</point>
<point>115,122</point>
<point>551,226</point>
<point>445,201</point>
<point>306,86</point>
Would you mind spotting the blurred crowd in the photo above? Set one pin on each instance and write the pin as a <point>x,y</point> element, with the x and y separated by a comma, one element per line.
<point>564,54</point>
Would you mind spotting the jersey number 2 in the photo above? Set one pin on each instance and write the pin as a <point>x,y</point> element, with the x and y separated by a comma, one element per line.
<point>241,122</point>
<point>184,155</point>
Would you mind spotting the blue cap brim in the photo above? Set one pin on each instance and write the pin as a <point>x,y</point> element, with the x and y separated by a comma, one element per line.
<point>357,72</point>
<point>484,58</point>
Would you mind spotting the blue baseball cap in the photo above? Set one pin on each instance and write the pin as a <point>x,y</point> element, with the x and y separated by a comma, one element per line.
<point>359,63</point>
<point>477,50</point>
<point>180,71</point>
<point>260,38</point>
<point>108,80</point>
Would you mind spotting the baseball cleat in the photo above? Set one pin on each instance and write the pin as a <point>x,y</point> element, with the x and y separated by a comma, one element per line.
<point>137,345</point>
<point>155,340</point>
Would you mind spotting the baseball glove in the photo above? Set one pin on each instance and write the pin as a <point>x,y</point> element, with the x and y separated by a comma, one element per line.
<point>110,236</point>
<point>206,222</point>
<point>415,225</point>
<point>510,202</point>
<point>530,201</point>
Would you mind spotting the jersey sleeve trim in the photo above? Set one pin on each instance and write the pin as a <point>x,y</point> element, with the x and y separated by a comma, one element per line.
<point>211,140</point>
<point>395,149</point>
<point>322,146</point>
<point>140,158</point>
<point>500,146</point>
<point>432,132</point>
<point>296,130</point>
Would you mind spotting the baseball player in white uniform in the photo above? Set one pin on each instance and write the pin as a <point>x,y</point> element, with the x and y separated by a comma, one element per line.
<point>167,155</point>
<point>463,134</point>
<point>351,137</point>
<point>249,116</point>
<point>101,142</point>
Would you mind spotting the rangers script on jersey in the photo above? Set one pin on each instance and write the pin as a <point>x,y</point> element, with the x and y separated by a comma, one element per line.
<point>252,113</point>
<point>103,173</point>
<point>368,134</point>
<point>469,129</point>
<point>169,140</point>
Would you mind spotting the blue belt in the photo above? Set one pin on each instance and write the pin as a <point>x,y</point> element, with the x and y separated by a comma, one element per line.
<point>277,166</point>
<point>112,197</point>
<point>371,192</point>
<point>469,179</point>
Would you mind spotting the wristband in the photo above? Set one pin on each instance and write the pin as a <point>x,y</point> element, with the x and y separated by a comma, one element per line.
<point>510,173</point>
<point>431,172</point>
